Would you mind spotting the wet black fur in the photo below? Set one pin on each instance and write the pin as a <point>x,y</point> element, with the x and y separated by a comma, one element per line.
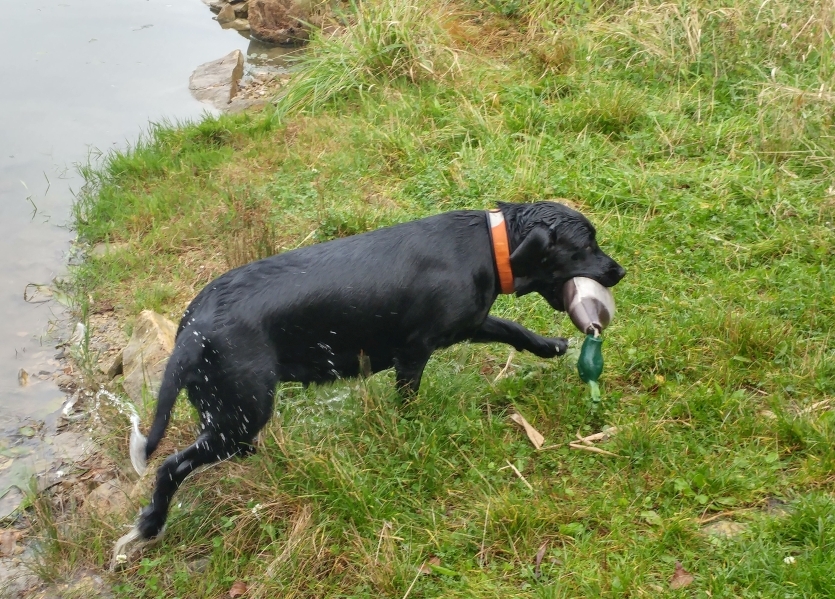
<point>394,295</point>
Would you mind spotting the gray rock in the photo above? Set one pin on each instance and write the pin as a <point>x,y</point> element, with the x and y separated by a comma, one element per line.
<point>81,584</point>
<point>279,21</point>
<point>215,5</point>
<point>9,503</point>
<point>242,104</point>
<point>216,82</point>
<point>226,14</point>
<point>147,352</point>
<point>111,365</point>
<point>241,8</point>
<point>237,25</point>
<point>70,447</point>
<point>15,578</point>
<point>89,585</point>
<point>103,249</point>
<point>109,497</point>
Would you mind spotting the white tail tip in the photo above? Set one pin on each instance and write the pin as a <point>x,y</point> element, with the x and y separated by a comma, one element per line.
<point>138,443</point>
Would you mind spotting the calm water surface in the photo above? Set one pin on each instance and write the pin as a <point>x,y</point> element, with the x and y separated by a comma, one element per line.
<point>79,77</point>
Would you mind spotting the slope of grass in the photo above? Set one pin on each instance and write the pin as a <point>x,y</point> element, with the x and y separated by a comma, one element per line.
<point>696,135</point>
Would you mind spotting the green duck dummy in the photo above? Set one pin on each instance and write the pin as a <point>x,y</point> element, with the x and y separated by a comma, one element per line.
<point>591,307</point>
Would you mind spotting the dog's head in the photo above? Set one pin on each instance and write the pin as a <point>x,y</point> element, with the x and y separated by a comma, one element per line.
<point>552,244</point>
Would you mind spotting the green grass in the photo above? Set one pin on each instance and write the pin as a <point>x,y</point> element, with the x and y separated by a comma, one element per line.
<point>697,136</point>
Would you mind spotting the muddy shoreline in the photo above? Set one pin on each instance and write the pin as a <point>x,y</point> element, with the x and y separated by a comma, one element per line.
<point>60,454</point>
<point>67,461</point>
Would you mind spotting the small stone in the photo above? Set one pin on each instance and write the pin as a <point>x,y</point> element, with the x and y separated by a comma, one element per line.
<point>66,383</point>
<point>776,507</point>
<point>8,542</point>
<point>199,565</point>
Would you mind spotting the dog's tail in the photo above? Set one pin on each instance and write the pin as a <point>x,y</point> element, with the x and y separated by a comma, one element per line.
<point>180,368</point>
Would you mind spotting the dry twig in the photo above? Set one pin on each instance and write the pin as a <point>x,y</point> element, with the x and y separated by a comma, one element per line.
<point>503,371</point>
<point>601,436</point>
<point>534,435</point>
<point>519,474</point>
<point>593,449</point>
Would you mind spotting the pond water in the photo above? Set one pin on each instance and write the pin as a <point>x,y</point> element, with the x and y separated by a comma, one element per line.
<point>80,77</point>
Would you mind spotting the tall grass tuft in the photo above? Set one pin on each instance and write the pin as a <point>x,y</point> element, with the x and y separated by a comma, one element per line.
<point>380,41</point>
<point>250,233</point>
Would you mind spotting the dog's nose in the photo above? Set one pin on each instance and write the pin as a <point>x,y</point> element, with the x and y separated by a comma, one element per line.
<point>615,273</point>
<point>621,272</point>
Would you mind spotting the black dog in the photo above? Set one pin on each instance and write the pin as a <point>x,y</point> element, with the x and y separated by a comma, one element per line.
<point>384,299</point>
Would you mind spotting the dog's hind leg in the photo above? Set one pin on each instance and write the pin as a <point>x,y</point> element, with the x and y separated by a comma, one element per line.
<point>210,447</point>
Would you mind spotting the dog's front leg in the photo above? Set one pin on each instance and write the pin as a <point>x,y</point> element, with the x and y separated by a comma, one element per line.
<point>408,370</point>
<point>498,330</point>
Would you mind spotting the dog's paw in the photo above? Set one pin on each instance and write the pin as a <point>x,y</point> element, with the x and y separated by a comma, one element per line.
<point>552,347</point>
<point>127,545</point>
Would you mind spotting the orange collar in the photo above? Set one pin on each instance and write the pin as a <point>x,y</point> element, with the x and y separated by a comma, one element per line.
<point>501,249</point>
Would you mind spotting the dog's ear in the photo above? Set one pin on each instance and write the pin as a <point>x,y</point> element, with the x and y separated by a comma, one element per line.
<point>531,252</point>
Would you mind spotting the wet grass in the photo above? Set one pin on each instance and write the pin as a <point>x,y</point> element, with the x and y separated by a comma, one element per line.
<point>696,135</point>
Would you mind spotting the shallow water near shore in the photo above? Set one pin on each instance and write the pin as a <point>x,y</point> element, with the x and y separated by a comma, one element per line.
<point>81,77</point>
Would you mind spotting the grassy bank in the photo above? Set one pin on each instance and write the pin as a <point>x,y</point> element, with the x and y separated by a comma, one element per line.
<point>696,135</point>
